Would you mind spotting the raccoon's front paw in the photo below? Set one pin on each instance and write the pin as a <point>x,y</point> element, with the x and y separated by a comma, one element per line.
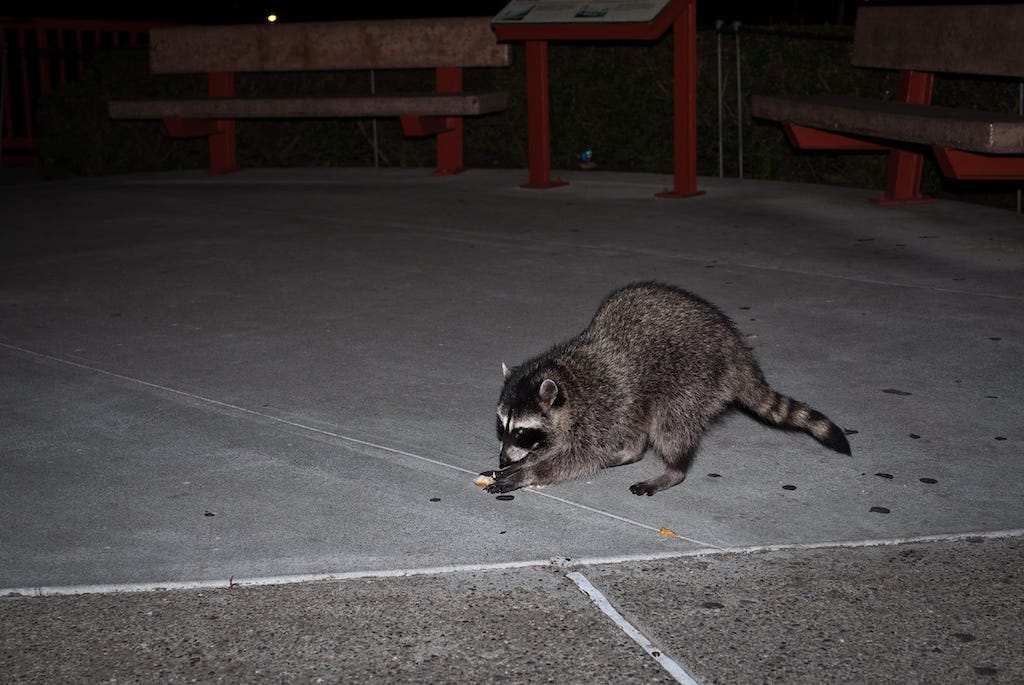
<point>500,487</point>
<point>484,479</point>
<point>505,481</point>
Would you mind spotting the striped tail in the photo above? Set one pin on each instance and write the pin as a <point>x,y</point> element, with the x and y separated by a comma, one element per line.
<point>779,410</point>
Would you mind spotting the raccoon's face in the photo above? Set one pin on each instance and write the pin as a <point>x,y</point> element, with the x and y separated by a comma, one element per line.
<point>525,423</point>
<point>519,435</point>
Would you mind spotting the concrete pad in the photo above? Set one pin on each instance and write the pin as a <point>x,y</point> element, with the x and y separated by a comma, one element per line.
<point>112,483</point>
<point>283,375</point>
<point>944,612</point>
<point>421,630</point>
<point>313,355</point>
<point>941,612</point>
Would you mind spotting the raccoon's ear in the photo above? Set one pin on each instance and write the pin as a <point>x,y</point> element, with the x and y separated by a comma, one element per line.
<point>548,393</point>
<point>505,371</point>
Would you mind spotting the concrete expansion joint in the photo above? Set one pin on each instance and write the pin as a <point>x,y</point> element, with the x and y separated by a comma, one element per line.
<point>554,562</point>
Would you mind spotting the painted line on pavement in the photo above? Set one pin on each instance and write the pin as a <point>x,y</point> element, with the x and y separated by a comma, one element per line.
<point>707,548</point>
<point>331,434</point>
<point>655,652</point>
<point>560,562</point>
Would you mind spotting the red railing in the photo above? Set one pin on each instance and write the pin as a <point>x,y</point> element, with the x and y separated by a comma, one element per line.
<point>38,55</point>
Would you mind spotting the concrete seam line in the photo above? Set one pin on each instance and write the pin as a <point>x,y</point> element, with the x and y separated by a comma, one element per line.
<point>876,542</point>
<point>560,562</point>
<point>620,518</point>
<point>655,652</point>
<point>264,581</point>
<point>321,431</point>
<point>227,405</point>
<point>709,549</point>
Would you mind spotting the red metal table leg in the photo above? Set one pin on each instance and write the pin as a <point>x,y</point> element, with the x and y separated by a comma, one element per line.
<point>449,142</point>
<point>684,103</point>
<point>222,143</point>
<point>539,128</point>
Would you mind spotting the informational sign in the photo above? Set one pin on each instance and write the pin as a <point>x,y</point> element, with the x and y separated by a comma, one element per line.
<point>538,22</point>
<point>570,12</point>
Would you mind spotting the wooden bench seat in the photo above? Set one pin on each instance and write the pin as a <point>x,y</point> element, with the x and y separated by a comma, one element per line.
<point>446,45</point>
<point>918,41</point>
<point>990,133</point>
<point>426,104</point>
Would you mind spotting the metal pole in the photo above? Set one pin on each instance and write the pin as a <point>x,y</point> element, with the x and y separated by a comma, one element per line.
<point>721,149</point>
<point>1020,111</point>
<point>739,97</point>
<point>376,151</point>
<point>3,88</point>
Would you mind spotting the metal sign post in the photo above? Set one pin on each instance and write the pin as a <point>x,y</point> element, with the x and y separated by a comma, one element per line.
<point>537,22</point>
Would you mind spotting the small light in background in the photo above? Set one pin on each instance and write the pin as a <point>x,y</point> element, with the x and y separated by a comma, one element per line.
<point>271,18</point>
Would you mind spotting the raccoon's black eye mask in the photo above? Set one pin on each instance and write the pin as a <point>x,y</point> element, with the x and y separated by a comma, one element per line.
<point>528,438</point>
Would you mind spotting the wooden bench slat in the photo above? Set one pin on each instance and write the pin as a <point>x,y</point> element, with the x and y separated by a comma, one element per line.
<point>304,46</point>
<point>434,104</point>
<point>446,46</point>
<point>975,131</point>
<point>965,39</point>
<point>918,41</point>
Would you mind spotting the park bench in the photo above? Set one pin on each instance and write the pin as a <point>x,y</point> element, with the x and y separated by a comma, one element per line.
<point>918,42</point>
<point>445,45</point>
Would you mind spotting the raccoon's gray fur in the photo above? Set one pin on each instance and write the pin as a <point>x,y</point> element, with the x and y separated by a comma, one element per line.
<point>652,370</point>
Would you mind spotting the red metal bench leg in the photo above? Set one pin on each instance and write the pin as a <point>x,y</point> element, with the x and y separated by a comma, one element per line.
<point>807,138</point>
<point>190,128</point>
<point>449,141</point>
<point>903,177</point>
<point>222,143</point>
<point>414,126</point>
<point>973,166</point>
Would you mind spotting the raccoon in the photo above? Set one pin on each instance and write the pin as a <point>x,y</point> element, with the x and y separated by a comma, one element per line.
<point>652,370</point>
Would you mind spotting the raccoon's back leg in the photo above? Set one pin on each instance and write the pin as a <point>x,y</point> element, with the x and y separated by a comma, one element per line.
<point>676,447</point>
<point>672,476</point>
<point>630,451</point>
<point>779,410</point>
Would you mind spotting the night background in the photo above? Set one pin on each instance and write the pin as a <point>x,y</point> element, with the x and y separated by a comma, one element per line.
<point>237,11</point>
<point>788,46</point>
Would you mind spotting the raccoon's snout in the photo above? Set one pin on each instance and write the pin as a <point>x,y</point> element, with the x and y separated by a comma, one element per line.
<point>505,460</point>
<point>519,441</point>
<point>510,454</point>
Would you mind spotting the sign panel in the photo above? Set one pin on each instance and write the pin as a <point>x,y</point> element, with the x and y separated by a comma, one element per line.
<point>570,12</point>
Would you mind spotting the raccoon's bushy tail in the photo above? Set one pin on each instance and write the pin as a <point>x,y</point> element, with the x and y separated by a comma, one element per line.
<point>786,412</point>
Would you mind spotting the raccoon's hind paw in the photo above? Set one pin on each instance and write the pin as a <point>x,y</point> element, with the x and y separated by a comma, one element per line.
<point>662,482</point>
<point>643,488</point>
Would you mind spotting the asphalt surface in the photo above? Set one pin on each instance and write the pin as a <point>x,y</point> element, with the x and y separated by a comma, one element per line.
<point>241,418</point>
